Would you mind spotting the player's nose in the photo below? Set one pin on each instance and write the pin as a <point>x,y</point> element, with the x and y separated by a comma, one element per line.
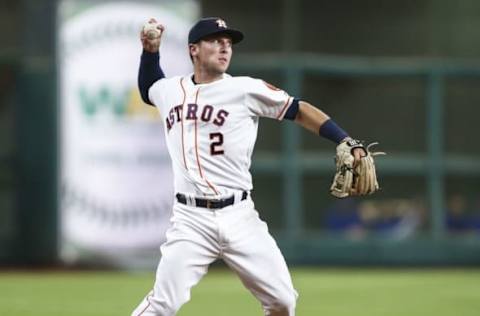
<point>224,50</point>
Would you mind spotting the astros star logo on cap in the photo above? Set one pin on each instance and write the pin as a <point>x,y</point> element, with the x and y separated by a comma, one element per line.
<point>221,23</point>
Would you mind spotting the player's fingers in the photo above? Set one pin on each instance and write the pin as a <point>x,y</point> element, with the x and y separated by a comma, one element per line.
<point>161,27</point>
<point>143,38</point>
<point>152,20</point>
<point>358,153</point>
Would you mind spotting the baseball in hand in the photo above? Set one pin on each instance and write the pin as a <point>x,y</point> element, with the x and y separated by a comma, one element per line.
<point>151,31</point>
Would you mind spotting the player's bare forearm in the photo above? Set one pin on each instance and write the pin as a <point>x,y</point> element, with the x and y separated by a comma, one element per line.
<point>310,117</point>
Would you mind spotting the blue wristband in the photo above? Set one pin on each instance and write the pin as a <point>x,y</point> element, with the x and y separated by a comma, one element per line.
<point>332,131</point>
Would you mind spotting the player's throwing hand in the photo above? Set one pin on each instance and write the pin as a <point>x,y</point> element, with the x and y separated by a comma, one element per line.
<point>151,35</point>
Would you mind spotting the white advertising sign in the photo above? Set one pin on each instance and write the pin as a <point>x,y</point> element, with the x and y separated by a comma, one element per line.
<point>116,180</point>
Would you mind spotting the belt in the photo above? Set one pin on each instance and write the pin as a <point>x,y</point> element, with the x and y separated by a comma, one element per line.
<point>209,203</point>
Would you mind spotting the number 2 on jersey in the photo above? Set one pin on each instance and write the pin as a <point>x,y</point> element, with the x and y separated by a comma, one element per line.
<point>215,146</point>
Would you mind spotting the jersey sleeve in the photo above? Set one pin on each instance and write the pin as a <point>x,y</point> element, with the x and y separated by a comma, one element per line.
<point>155,93</point>
<point>264,99</point>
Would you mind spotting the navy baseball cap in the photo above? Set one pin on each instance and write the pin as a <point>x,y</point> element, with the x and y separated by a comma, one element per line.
<point>210,26</point>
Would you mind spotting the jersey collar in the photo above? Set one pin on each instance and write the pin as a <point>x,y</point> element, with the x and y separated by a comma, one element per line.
<point>191,82</point>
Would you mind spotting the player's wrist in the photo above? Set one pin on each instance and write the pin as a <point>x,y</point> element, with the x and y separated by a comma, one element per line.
<point>151,48</point>
<point>330,130</point>
<point>149,54</point>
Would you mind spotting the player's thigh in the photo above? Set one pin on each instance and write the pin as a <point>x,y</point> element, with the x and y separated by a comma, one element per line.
<point>258,261</point>
<point>185,258</point>
<point>185,249</point>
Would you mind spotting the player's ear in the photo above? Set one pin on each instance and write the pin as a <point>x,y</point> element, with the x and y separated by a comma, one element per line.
<point>193,49</point>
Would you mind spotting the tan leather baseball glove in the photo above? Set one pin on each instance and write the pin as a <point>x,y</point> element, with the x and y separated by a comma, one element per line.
<point>350,179</point>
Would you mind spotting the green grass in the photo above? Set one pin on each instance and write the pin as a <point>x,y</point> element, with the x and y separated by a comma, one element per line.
<point>330,292</point>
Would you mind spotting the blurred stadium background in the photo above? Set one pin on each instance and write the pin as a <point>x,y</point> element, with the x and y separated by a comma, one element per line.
<point>404,73</point>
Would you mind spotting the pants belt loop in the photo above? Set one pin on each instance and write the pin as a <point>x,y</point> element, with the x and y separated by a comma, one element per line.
<point>236,199</point>
<point>191,201</point>
<point>238,196</point>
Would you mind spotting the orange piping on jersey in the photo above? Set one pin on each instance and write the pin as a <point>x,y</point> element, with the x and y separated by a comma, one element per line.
<point>181,119</point>
<point>284,108</point>
<point>196,150</point>
<point>211,187</point>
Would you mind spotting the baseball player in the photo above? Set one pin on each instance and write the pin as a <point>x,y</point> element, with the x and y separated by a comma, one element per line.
<point>210,120</point>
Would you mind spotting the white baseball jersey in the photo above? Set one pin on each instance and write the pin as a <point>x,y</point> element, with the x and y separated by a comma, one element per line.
<point>211,129</point>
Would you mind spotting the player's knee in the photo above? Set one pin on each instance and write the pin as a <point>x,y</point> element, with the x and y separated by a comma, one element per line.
<point>283,305</point>
<point>169,307</point>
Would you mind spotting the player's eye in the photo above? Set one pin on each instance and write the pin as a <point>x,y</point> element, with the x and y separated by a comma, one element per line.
<point>225,42</point>
<point>220,42</point>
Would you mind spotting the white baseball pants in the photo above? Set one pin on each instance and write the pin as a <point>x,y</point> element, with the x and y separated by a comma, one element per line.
<point>235,234</point>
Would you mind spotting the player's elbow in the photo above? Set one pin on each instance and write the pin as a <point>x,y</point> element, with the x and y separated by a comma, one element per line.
<point>144,96</point>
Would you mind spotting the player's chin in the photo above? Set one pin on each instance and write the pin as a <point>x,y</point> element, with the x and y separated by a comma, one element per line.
<point>223,63</point>
<point>221,68</point>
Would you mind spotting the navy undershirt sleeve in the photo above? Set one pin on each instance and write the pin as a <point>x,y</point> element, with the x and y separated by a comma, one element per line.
<point>148,73</point>
<point>292,110</point>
